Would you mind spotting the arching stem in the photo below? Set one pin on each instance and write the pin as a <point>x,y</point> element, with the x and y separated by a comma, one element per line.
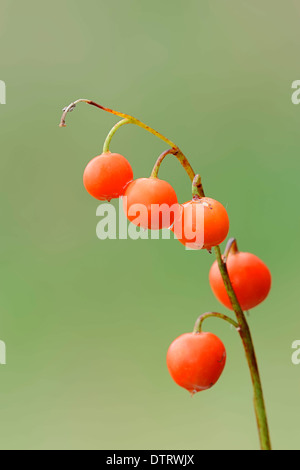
<point>112,133</point>
<point>175,149</point>
<point>244,331</point>
<point>135,121</point>
<point>200,320</point>
<point>180,157</point>
<point>154,173</point>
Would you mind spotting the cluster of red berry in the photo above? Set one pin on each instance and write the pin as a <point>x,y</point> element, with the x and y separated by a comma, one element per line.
<point>195,360</point>
<point>240,281</point>
<point>110,175</point>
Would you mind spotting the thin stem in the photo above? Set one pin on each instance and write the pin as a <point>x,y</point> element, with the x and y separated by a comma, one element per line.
<point>112,133</point>
<point>200,320</point>
<point>139,123</point>
<point>197,188</point>
<point>176,150</point>
<point>180,157</point>
<point>231,247</point>
<point>244,331</point>
<point>154,173</point>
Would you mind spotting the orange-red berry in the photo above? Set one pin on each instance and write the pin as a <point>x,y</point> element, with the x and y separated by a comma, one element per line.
<point>202,223</point>
<point>250,278</point>
<point>106,176</point>
<point>150,203</point>
<point>196,361</point>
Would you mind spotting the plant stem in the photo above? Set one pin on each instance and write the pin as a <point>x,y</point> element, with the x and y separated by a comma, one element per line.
<point>245,334</point>
<point>112,133</point>
<point>180,157</point>
<point>197,188</point>
<point>200,320</point>
<point>175,149</point>
<point>154,173</point>
<point>139,123</point>
<point>231,247</point>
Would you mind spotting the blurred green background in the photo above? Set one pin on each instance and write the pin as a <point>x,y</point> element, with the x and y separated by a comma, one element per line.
<point>87,323</point>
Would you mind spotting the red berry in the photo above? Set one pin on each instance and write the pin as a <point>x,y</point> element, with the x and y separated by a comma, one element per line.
<point>106,176</point>
<point>150,203</point>
<point>196,361</point>
<point>250,278</point>
<point>202,223</point>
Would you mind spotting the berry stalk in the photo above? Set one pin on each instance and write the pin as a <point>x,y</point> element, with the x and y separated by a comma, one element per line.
<point>197,188</point>
<point>231,247</point>
<point>112,133</point>
<point>180,157</point>
<point>200,320</point>
<point>244,331</point>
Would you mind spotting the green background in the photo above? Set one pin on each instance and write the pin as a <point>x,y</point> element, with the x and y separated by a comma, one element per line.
<point>87,323</point>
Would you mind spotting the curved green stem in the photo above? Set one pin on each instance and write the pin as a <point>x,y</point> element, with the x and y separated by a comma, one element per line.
<point>180,157</point>
<point>200,320</point>
<point>175,149</point>
<point>139,123</point>
<point>244,331</point>
<point>112,133</point>
<point>154,172</point>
